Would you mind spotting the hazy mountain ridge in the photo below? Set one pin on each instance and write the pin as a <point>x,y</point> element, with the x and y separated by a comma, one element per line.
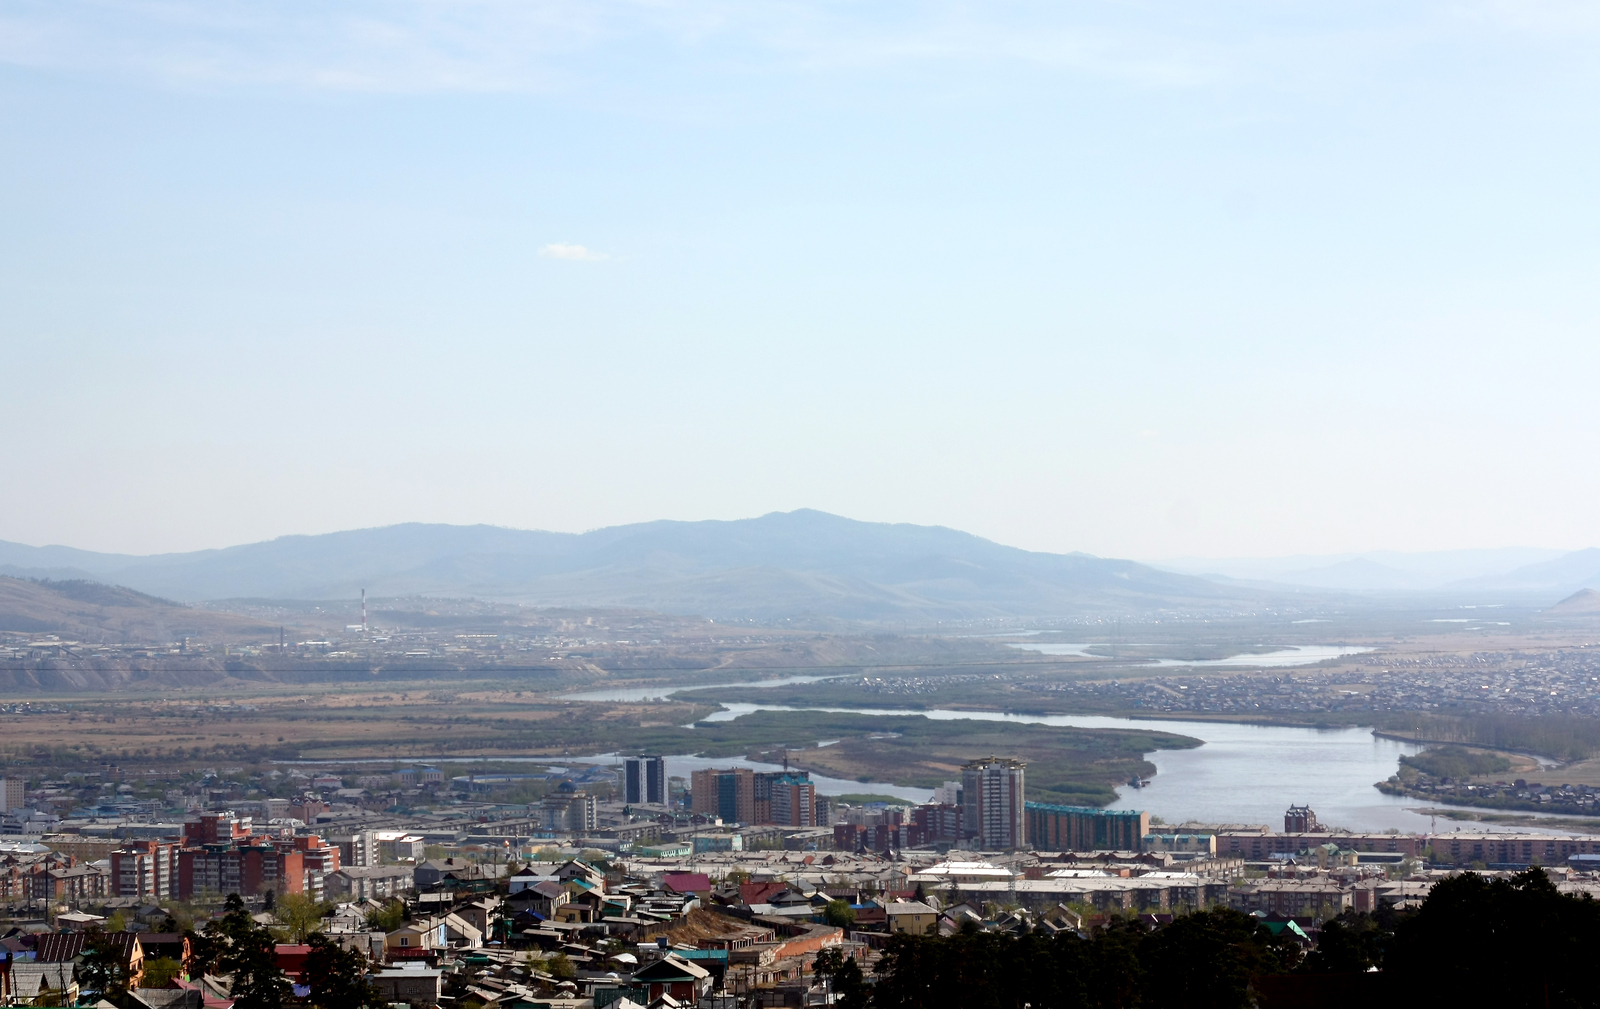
<point>781,564</point>
<point>1570,572</point>
<point>1510,570</point>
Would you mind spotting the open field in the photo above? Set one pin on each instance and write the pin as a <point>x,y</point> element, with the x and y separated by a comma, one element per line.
<point>419,718</point>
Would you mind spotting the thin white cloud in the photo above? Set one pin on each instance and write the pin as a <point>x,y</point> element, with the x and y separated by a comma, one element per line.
<point>560,250</point>
<point>542,46</point>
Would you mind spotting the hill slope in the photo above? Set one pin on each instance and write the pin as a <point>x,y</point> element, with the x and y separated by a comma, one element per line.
<point>1580,603</point>
<point>93,612</point>
<point>779,565</point>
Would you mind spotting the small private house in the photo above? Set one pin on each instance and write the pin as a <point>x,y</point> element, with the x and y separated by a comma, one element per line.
<point>577,868</point>
<point>171,945</point>
<point>166,998</point>
<point>67,947</point>
<point>415,939</point>
<point>912,917</point>
<point>696,884</point>
<point>78,921</point>
<point>675,977</point>
<point>415,983</point>
<point>291,958</point>
<point>42,984</point>
<point>480,914</point>
<point>541,898</point>
<point>459,933</point>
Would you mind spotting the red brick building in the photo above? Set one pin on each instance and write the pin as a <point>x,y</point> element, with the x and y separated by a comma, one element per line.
<point>145,869</point>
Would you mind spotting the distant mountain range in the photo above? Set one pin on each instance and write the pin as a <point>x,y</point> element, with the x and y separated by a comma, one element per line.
<point>1510,571</point>
<point>1570,572</point>
<point>789,564</point>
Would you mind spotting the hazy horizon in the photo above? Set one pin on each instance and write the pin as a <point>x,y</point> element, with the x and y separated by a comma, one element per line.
<point>1147,281</point>
<point>1188,563</point>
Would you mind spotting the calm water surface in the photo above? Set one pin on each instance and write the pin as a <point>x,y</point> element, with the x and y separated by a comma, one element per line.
<point>1242,773</point>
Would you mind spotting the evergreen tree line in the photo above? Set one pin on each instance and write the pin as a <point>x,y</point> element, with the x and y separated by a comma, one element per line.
<point>1507,943</point>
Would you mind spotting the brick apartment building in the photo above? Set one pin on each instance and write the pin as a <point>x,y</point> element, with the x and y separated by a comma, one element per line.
<point>142,868</point>
<point>740,795</point>
<point>218,855</point>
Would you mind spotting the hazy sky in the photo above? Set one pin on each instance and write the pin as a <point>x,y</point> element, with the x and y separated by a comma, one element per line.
<point>1136,278</point>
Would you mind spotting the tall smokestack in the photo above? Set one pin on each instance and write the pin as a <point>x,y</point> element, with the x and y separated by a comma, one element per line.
<point>363,612</point>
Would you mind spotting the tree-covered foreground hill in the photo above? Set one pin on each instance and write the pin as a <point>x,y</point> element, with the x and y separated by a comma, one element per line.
<point>1506,943</point>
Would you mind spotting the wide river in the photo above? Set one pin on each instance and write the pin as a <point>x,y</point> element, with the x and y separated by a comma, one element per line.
<point>1242,773</point>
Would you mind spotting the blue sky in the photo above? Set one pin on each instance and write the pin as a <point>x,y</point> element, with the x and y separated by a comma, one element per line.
<point>1141,279</point>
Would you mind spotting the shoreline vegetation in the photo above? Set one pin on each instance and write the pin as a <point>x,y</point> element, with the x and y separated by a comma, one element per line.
<point>1563,739</point>
<point>461,720</point>
<point>1476,777</point>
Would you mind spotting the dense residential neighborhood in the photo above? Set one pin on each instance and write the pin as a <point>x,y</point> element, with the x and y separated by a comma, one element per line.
<point>616,886</point>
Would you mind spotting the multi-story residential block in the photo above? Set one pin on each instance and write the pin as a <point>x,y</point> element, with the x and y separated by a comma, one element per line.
<point>740,795</point>
<point>1257,846</point>
<point>729,794</point>
<point>357,850</point>
<point>373,882</point>
<point>401,845</point>
<point>317,859</point>
<point>1297,897</point>
<point>645,780</point>
<point>1084,828</point>
<point>791,800</point>
<point>1300,820</point>
<point>249,867</point>
<point>145,868</point>
<point>937,823</point>
<point>576,812</point>
<point>992,803</point>
<point>68,884</point>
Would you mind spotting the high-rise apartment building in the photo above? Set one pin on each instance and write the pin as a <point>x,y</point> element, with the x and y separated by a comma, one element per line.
<point>357,850</point>
<point>11,794</point>
<point>645,780</point>
<point>728,793</point>
<point>740,795</point>
<point>992,804</point>
<point>1300,820</point>
<point>143,868</point>
<point>792,801</point>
